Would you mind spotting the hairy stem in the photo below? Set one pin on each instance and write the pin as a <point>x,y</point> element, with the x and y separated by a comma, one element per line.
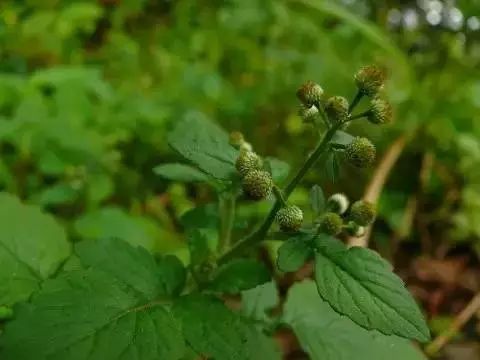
<point>227,217</point>
<point>358,116</point>
<point>258,235</point>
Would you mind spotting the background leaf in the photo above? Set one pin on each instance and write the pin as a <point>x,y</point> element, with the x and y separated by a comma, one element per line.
<point>32,246</point>
<point>317,200</point>
<point>180,172</point>
<point>257,301</point>
<point>326,335</point>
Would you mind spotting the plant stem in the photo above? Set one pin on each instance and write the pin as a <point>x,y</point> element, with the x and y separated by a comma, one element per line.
<point>358,116</point>
<point>355,101</point>
<point>259,234</point>
<point>279,195</point>
<point>227,217</point>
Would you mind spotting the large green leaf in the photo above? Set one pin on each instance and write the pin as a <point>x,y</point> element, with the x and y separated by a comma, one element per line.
<point>257,301</point>
<point>116,309</point>
<point>326,335</point>
<point>32,246</point>
<point>358,283</point>
<point>205,145</point>
<point>214,331</point>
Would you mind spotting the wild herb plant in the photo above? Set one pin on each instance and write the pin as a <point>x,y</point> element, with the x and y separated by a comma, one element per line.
<point>113,301</point>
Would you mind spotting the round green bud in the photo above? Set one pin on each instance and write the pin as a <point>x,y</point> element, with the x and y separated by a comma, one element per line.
<point>360,152</point>
<point>289,218</point>
<point>310,93</point>
<point>362,212</point>
<point>354,229</point>
<point>308,113</point>
<point>248,161</point>
<point>381,111</point>
<point>337,108</point>
<point>338,203</point>
<point>236,139</point>
<point>331,223</point>
<point>257,184</point>
<point>370,79</point>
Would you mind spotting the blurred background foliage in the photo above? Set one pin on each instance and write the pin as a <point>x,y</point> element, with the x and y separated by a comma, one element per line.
<point>89,89</point>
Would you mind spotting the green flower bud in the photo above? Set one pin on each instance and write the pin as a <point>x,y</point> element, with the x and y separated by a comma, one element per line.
<point>362,212</point>
<point>381,111</point>
<point>310,93</point>
<point>337,108</point>
<point>331,223</point>
<point>257,184</point>
<point>338,203</point>
<point>236,139</point>
<point>246,146</point>
<point>308,113</point>
<point>370,79</point>
<point>354,229</point>
<point>290,218</point>
<point>360,152</point>
<point>248,161</point>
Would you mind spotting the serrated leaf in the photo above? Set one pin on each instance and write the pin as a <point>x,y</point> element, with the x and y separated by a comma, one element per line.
<point>164,276</point>
<point>317,200</point>
<point>342,138</point>
<point>215,332</point>
<point>32,247</point>
<point>180,172</point>
<point>98,313</point>
<point>326,335</point>
<point>205,145</point>
<point>278,168</point>
<point>238,275</point>
<point>257,301</point>
<point>293,253</point>
<point>358,283</point>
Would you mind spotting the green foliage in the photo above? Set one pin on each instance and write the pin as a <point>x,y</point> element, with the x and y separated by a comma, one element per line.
<point>32,247</point>
<point>294,253</point>
<point>358,283</point>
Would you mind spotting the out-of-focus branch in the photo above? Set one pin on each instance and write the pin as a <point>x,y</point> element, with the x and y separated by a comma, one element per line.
<point>379,178</point>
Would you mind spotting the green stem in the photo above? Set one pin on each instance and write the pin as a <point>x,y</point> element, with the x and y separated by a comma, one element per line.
<point>358,116</point>
<point>279,195</point>
<point>355,101</point>
<point>258,235</point>
<point>227,217</point>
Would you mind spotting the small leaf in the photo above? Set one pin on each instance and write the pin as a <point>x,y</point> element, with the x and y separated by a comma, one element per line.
<point>201,243</point>
<point>32,247</point>
<point>215,332</point>
<point>205,216</point>
<point>358,283</point>
<point>278,168</point>
<point>206,145</point>
<point>342,138</point>
<point>114,310</point>
<point>332,168</point>
<point>257,301</point>
<point>317,200</point>
<point>326,335</point>
<point>238,275</point>
<point>180,172</point>
<point>293,253</point>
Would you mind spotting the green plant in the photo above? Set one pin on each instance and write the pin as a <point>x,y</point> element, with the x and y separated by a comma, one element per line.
<point>110,300</point>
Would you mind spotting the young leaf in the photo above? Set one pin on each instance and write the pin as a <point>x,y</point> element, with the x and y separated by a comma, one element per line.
<point>238,275</point>
<point>180,172</point>
<point>257,301</point>
<point>32,246</point>
<point>201,243</point>
<point>358,283</point>
<point>294,253</point>
<point>326,335</point>
<point>215,332</point>
<point>115,310</point>
<point>205,145</point>
<point>317,200</point>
